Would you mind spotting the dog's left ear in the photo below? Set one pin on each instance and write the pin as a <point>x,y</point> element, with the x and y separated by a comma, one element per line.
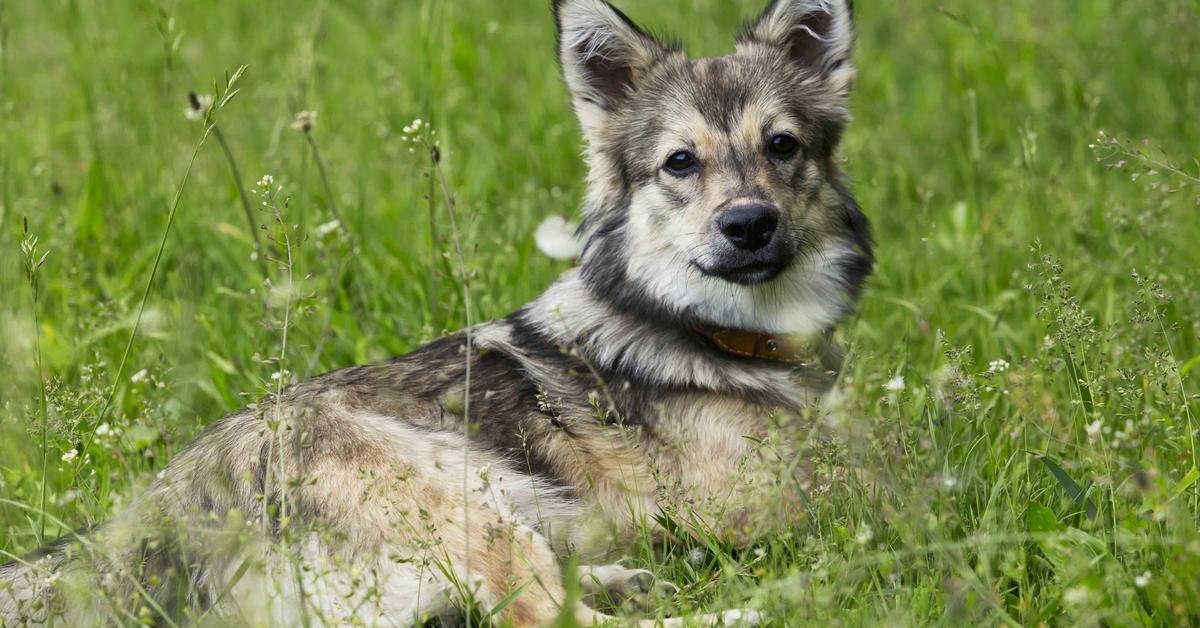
<point>816,34</point>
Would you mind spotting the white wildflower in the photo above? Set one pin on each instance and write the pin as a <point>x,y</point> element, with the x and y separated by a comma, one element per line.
<point>555,238</point>
<point>997,366</point>
<point>139,376</point>
<point>104,430</point>
<point>1093,428</point>
<point>70,455</point>
<point>1142,580</point>
<point>1077,596</point>
<point>327,228</point>
<point>415,127</point>
<point>865,534</point>
<point>949,481</point>
<point>895,384</point>
<point>198,106</point>
<point>266,181</point>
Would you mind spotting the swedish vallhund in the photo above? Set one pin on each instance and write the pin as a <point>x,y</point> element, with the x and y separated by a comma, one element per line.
<point>662,380</point>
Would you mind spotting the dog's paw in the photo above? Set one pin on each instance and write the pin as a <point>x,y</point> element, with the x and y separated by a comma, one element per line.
<point>618,584</point>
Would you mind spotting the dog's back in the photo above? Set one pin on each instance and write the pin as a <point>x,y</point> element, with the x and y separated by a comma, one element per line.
<point>721,248</point>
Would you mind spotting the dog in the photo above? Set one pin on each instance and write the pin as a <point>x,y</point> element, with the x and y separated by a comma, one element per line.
<point>657,388</point>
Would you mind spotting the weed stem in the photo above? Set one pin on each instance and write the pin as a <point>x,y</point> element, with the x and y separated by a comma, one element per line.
<point>251,224</point>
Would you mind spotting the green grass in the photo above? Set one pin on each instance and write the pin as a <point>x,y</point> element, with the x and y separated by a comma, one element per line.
<point>1060,490</point>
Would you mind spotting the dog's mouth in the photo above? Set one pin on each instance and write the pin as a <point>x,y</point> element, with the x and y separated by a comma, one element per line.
<point>749,274</point>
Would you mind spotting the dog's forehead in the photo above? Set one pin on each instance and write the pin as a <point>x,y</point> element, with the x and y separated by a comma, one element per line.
<point>723,93</point>
<point>716,104</point>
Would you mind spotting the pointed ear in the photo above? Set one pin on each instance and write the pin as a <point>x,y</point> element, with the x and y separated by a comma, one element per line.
<point>603,55</point>
<point>816,34</point>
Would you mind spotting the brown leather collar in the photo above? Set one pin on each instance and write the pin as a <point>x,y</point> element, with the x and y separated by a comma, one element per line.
<point>820,351</point>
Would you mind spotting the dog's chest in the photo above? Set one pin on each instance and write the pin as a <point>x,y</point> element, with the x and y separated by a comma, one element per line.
<point>709,443</point>
<point>709,454</point>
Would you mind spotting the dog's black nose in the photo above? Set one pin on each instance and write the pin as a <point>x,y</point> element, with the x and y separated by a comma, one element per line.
<point>749,227</point>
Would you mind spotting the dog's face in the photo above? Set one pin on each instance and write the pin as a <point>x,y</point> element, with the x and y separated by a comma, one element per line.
<point>714,196</point>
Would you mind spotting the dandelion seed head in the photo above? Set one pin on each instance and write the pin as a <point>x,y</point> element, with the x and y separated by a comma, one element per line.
<point>327,228</point>
<point>304,121</point>
<point>895,384</point>
<point>555,238</point>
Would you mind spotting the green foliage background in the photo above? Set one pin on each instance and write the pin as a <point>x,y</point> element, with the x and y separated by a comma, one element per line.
<point>1059,488</point>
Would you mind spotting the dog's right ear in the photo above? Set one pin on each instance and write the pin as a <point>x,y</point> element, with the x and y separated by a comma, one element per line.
<point>604,56</point>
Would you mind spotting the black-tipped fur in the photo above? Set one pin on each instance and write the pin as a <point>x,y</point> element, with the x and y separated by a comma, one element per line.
<point>598,404</point>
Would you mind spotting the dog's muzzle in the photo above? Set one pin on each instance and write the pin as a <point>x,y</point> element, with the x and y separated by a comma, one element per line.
<point>749,245</point>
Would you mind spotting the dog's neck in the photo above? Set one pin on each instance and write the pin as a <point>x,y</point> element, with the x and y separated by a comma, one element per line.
<point>656,353</point>
<point>790,349</point>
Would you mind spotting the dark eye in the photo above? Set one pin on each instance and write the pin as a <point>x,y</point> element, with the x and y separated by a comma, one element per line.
<point>680,163</point>
<point>783,146</point>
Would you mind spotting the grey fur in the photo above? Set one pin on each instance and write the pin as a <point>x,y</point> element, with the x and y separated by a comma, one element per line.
<point>593,409</point>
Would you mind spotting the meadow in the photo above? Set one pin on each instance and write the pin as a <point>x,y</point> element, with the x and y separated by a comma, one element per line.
<point>1015,438</point>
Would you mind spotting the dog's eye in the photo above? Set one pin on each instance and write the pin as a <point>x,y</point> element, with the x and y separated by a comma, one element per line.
<point>680,163</point>
<point>783,146</point>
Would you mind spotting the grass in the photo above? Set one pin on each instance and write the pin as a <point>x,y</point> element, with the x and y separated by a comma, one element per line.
<point>1037,296</point>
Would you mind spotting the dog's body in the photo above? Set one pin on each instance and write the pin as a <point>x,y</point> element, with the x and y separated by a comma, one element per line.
<point>715,214</point>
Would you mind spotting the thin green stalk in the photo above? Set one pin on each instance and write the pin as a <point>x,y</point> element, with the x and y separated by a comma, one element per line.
<point>32,264</point>
<point>432,196</point>
<point>435,158</point>
<point>327,324</point>
<point>209,126</point>
<point>137,321</point>
<point>37,349</point>
<point>80,52</point>
<point>325,179</point>
<point>333,209</point>
<point>6,168</point>
<point>241,188</point>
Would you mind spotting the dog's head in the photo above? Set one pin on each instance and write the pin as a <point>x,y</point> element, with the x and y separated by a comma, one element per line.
<point>714,195</point>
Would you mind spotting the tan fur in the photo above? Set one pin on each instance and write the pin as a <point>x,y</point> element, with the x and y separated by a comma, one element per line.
<point>597,412</point>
